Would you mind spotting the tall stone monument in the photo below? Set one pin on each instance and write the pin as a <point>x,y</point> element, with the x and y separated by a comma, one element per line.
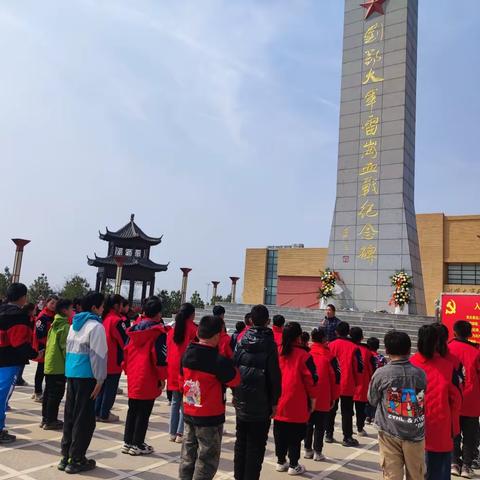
<point>374,232</point>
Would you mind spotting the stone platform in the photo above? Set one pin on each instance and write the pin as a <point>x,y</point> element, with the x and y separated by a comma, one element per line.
<point>36,452</point>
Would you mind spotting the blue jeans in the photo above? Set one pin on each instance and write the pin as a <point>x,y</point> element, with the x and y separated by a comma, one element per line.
<point>176,414</point>
<point>8,378</point>
<point>438,465</point>
<point>106,398</point>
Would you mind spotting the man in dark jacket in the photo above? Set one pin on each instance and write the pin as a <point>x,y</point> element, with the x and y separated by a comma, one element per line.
<point>331,322</point>
<point>15,347</point>
<point>257,396</point>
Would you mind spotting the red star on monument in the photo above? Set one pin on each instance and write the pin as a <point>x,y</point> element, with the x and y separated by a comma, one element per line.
<point>373,6</point>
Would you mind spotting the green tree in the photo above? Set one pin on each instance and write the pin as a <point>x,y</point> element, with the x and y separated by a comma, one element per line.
<point>108,289</point>
<point>39,288</point>
<point>5,279</point>
<point>196,300</point>
<point>228,298</point>
<point>170,301</point>
<point>74,287</point>
<point>217,299</point>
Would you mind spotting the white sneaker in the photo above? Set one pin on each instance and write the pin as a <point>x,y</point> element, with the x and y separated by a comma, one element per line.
<point>281,467</point>
<point>362,433</point>
<point>308,454</point>
<point>172,438</point>
<point>298,470</point>
<point>179,439</point>
<point>144,449</point>
<point>319,457</point>
<point>126,448</point>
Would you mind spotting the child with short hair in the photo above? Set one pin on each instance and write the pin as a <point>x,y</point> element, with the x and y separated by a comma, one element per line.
<point>239,327</point>
<point>328,372</point>
<point>397,390</point>
<point>146,369</point>
<point>277,327</point>
<point>55,355</point>
<point>85,369</point>
<point>203,378</point>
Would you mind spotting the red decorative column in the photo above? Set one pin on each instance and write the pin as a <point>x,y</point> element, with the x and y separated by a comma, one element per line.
<point>118,277</point>
<point>234,288</point>
<point>214,295</point>
<point>185,271</point>
<point>17,262</point>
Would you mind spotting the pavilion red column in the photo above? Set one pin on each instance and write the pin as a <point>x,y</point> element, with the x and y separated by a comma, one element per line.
<point>185,271</point>
<point>233,293</point>
<point>215,286</point>
<point>17,262</point>
<point>118,277</point>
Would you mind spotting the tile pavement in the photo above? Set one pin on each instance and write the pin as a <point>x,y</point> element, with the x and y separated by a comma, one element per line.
<point>35,454</point>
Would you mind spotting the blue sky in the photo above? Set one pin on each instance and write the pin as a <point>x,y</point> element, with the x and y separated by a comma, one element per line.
<point>214,121</point>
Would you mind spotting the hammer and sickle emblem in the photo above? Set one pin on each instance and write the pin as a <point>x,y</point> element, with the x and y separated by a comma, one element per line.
<point>451,307</point>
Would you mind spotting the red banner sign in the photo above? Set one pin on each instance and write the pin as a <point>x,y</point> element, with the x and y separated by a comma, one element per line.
<point>457,306</point>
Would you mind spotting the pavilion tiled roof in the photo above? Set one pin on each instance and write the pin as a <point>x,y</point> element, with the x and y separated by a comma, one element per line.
<point>130,231</point>
<point>128,262</point>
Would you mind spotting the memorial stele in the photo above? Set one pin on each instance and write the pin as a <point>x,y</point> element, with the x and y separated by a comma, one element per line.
<point>374,232</point>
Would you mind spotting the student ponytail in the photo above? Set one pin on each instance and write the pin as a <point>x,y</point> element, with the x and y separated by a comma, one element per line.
<point>187,310</point>
<point>110,302</point>
<point>427,340</point>
<point>442,340</point>
<point>291,333</point>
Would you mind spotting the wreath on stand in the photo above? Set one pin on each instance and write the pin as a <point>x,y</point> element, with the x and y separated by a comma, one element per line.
<point>402,283</point>
<point>328,280</point>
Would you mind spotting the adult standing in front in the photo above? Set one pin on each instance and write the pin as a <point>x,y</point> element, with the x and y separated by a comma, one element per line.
<point>331,322</point>
<point>257,396</point>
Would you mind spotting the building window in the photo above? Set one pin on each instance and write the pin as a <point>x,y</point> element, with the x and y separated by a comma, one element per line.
<point>271,284</point>
<point>463,273</point>
<point>118,251</point>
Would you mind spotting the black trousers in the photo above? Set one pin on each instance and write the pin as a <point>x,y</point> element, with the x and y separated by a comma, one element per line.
<point>52,396</point>
<point>39,378</point>
<point>346,408</point>
<point>106,398</point>
<point>136,424</point>
<point>288,440</point>
<point>250,447</point>
<point>361,414</point>
<point>316,430</point>
<point>79,418</point>
<point>465,444</point>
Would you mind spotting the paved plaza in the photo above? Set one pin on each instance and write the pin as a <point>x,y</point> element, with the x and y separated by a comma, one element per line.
<point>36,452</point>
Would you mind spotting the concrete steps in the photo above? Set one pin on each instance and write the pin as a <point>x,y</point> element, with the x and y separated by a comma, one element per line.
<point>373,324</point>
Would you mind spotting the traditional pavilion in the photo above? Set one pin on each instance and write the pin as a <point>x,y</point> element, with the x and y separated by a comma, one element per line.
<point>132,246</point>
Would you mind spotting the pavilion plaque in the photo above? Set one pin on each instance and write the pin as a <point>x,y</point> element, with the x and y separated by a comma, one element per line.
<point>374,232</point>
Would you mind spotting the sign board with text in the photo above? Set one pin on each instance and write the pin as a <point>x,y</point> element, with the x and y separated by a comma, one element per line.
<point>460,306</point>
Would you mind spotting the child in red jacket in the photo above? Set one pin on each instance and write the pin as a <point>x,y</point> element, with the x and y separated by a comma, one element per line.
<point>297,402</point>
<point>178,339</point>
<point>351,367</point>
<point>224,347</point>
<point>115,331</point>
<point>146,369</point>
<point>469,356</point>
<point>203,378</point>
<point>277,327</point>
<point>442,400</point>
<point>360,399</point>
<point>328,391</point>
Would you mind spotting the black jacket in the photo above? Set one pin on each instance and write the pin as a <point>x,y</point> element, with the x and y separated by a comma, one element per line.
<point>256,357</point>
<point>15,336</point>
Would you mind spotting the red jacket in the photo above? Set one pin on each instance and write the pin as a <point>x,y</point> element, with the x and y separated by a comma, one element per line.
<point>299,384</point>
<point>457,367</point>
<point>40,332</point>
<point>328,373</point>
<point>369,364</point>
<point>242,333</point>
<point>204,375</point>
<point>224,347</point>
<point>349,358</point>
<point>145,359</point>
<point>469,356</point>
<point>277,336</point>
<point>175,353</point>
<point>115,331</point>
<point>442,397</point>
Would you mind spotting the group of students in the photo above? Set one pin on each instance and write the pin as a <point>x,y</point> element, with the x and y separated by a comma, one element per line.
<point>426,403</point>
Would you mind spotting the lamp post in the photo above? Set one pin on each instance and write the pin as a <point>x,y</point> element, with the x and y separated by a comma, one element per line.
<point>185,271</point>
<point>214,294</point>
<point>234,288</point>
<point>17,262</point>
<point>118,277</point>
